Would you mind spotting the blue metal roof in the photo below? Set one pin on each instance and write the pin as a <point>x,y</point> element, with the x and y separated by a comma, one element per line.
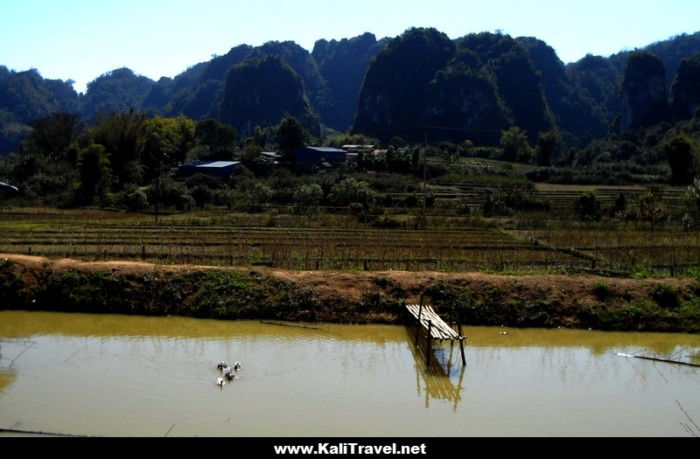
<point>326,149</point>
<point>211,164</point>
<point>7,185</point>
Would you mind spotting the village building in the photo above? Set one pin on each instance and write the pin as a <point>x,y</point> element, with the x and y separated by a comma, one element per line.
<point>314,158</point>
<point>219,169</point>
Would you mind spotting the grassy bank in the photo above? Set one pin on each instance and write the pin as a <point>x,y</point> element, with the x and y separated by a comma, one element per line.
<point>35,283</point>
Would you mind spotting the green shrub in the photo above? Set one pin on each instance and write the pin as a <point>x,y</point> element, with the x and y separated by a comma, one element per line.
<point>602,291</point>
<point>386,221</point>
<point>588,207</point>
<point>666,296</point>
<point>136,201</point>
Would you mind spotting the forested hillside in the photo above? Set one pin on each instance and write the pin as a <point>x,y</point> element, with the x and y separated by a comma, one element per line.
<point>470,88</point>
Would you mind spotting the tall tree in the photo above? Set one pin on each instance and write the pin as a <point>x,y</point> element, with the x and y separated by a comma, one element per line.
<point>680,153</point>
<point>95,172</point>
<point>122,136</point>
<point>53,134</point>
<point>290,136</point>
<point>514,144</point>
<point>217,136</point>
<point>166,142</point>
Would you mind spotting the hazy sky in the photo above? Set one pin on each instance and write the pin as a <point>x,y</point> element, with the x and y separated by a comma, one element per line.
<point>81,39</point>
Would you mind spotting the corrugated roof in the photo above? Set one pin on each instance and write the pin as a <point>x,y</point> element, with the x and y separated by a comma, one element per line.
<point>7,185</point>
<point>326,149</point>
<point>211,164</point>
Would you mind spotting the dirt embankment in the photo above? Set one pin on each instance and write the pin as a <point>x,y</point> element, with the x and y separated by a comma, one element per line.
<point>353,297</point>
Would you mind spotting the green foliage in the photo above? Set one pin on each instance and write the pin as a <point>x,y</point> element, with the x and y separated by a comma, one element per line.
<point>11,287</point>
<point>255,197</point>
<point>122,135</point>
<point>251,152</point>
<point>602,291</point>
<point>520,200</point>
<point>495,206</point>
<point>165,143</point>
<point>396,81</point>
<point>26,97</point>
<point>201,195</point>
<point>114,92</point>
<point>666,296</point>
<point>647,207</point>
<point>520,86</point>
<point>352,191</point>
<point>588,207</point>
<point>343,65</point>
<point>686,87</point>
<point>693,198</point>
<point>307,198</point>
<point>136,200</point>
<point>218,137</point>
<point>95,172</point>
<point>53,135</point>
<point>633,316</point>
<point>546,147</point>
<point>643,92</point>
<point>337,141</point>
<point>453,303</point>
<point>170,193</point>
<point>503,203</point>
<point>620,205</point>
<point>515,145</point>
<point>263,92</point>
<point>290,136</point>
<point>683,159</point>
<point>577,115</point>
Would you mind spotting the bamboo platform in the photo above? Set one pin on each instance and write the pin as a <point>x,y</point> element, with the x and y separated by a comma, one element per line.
<point>429,319</point>
<point>437,328</point>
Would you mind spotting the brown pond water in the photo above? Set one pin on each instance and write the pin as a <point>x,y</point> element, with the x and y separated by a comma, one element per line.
<point>106,375</point>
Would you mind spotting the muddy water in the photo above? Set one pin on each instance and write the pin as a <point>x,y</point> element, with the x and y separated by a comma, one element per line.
<point>132,376</point>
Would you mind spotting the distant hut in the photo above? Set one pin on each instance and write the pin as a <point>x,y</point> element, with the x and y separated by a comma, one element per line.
<point>219,169</point>
<point>6,189</point>
<point>310,158</point>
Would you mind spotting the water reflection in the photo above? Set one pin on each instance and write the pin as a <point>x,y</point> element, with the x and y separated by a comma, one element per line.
<point>443,377</point>
<point>7,377</point>
<point>150,373</point>
<point>7,373</point>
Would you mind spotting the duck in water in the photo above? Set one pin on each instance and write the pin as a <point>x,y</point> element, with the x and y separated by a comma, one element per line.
<point>228,374</point>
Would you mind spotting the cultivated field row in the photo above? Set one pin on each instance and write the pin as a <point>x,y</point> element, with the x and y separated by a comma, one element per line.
<point>176,240</point>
